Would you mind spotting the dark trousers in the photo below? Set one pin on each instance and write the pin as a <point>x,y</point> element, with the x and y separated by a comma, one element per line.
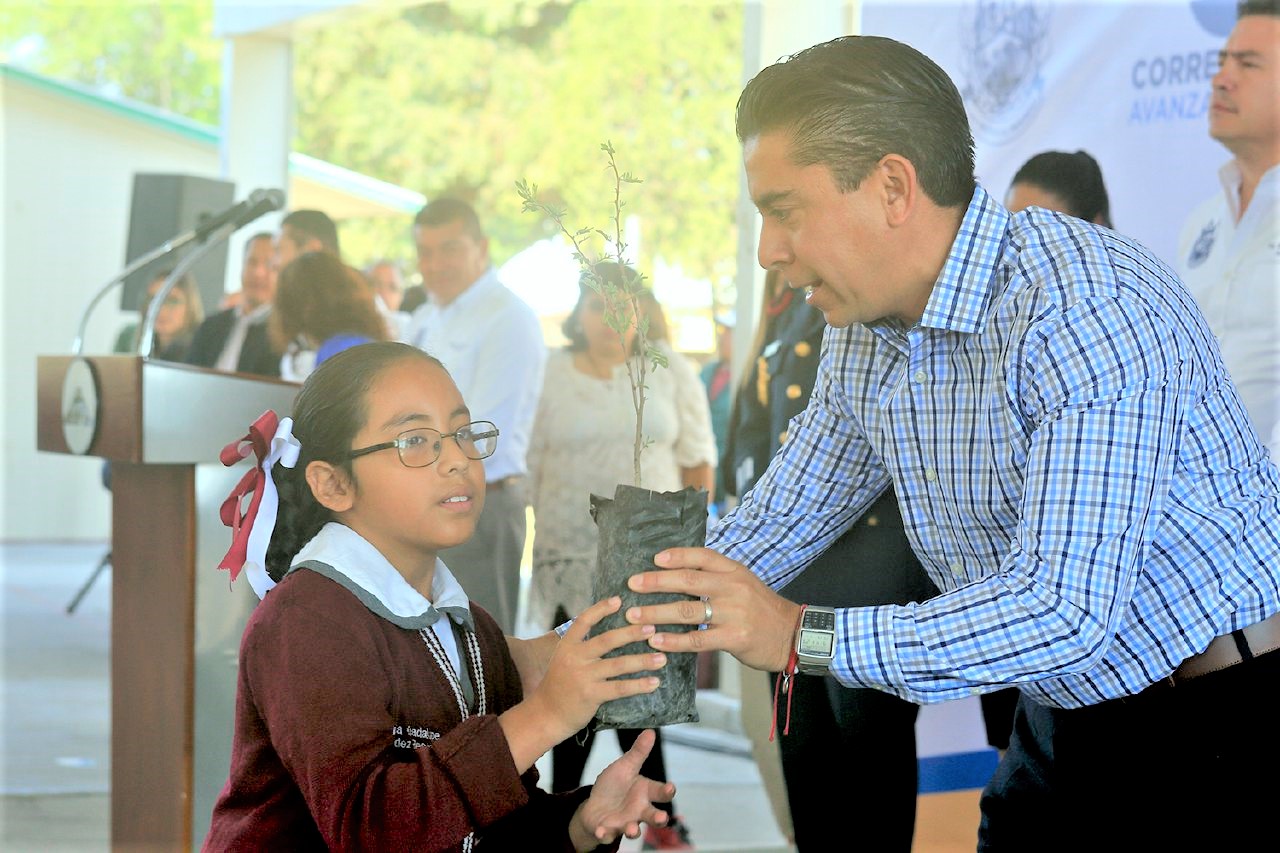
<point>488,564</point>
<point>850,766</point>
<point>1189,767</point>
<point>849,761</point>
<point>997,715</point>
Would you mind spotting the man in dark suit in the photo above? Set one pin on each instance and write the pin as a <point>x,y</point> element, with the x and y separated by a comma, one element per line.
<point>236,339</point>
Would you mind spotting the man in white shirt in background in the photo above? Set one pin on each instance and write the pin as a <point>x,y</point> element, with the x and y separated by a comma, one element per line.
<point>236,339</point>
<point>491,342</point>
<point>1229,253</point>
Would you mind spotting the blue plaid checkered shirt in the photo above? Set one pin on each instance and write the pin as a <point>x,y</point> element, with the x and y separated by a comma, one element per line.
<point>1075,470</point>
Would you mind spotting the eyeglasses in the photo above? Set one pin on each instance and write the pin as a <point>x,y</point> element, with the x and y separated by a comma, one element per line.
<point>420,447</point>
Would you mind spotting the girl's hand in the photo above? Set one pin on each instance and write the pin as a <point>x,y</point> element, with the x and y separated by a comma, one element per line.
<point>577,680</point>
<point>621,800</point>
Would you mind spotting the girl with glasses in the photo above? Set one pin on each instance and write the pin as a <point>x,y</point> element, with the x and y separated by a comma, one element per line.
<point>378,709</point>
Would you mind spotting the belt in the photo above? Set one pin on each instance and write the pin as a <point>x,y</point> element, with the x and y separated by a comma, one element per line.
<point>1231,649</point>
<point>495,485</point>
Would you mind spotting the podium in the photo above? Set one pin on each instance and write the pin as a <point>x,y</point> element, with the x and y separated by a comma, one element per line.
<point>176,621</point>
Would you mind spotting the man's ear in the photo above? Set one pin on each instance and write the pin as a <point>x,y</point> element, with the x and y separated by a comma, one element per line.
<point>900,188</point>
<point>331,486</point>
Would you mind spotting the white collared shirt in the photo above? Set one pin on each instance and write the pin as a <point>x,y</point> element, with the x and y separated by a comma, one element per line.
<point>297,362</point>
<point>1231,264</point>
<point>229,358</point>
<point>397,321</point>
<point>490,341</point>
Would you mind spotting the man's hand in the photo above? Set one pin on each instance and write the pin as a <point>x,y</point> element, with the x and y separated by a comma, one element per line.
<point>748,620</point>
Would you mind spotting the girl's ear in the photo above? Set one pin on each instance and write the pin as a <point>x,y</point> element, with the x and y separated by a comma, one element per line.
<point>331,486</point>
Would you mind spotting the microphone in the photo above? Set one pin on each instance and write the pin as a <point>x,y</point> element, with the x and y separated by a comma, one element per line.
<point>258,203</point>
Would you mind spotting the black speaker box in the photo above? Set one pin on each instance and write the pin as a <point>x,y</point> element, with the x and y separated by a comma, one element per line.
<point>164,206</point>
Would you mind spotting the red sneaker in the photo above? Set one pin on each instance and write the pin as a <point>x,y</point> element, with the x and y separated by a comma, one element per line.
<point>673,835</point>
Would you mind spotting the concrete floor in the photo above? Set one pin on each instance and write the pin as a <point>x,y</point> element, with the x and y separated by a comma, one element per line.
<point>55,722</point>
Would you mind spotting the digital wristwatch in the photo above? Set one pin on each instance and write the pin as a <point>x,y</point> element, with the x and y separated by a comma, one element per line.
<point>816,640</point>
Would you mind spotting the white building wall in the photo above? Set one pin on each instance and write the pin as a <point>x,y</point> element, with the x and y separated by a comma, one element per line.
<point>67,190</point>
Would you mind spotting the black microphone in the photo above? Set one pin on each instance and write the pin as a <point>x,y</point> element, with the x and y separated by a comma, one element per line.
<point>258,203</point>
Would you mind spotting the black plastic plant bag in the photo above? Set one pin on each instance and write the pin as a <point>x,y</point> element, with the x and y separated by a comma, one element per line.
<point>634,526</point>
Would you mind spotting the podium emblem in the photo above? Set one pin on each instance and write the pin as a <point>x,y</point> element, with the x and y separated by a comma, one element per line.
<point>79,406</point>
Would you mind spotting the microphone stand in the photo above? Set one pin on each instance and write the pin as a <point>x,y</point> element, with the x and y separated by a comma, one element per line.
<point>146,339</point>
<point>220,228</point>
<point>163,249</point>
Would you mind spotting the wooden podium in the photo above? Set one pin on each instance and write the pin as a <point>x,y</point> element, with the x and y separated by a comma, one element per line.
<point>176,621</point>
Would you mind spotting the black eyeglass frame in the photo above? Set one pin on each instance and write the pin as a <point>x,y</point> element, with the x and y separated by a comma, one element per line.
<point>399,442</point>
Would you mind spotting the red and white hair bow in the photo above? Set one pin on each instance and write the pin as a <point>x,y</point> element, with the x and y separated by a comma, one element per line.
<point>272,441</point>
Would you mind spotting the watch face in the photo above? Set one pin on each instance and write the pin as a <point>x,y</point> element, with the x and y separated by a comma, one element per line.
<point>816,643</point>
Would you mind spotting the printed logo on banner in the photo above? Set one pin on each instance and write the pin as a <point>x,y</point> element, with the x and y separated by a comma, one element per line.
<point>1003,46</point>
<point>1176,86</point>
<point>1172,87</point>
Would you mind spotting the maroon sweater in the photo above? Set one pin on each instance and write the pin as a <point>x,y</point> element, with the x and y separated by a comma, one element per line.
<point>348,736</point>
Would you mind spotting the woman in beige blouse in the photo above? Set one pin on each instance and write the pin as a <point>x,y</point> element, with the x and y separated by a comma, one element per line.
<point>582,445</point>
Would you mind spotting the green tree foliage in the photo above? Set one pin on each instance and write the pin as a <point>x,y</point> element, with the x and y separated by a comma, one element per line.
<point>463,97</point>
<point>623,296</point>
<point>470,98</point>
<point>163,54</point>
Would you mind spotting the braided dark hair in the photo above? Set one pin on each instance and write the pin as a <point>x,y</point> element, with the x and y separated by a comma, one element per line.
<point>328,412</point>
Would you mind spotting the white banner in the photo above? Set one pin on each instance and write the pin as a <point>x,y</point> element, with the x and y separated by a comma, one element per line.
<point>1127,82</point>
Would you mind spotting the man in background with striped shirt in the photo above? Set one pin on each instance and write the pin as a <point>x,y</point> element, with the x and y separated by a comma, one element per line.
<point>1075,469</point>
